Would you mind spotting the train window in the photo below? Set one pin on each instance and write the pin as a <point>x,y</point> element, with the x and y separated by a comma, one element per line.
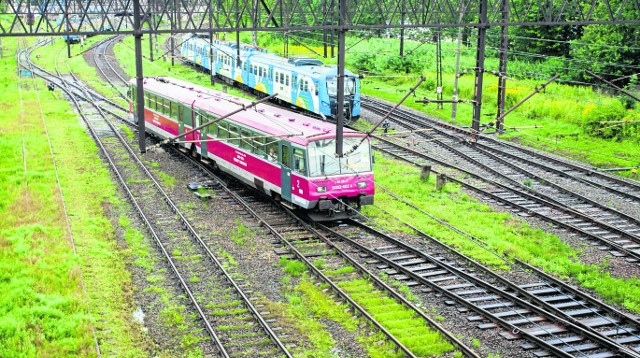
<point>174,110</point>
<point>246,140</point>
<point>281,77</point>
<point>213,128</point>
<point>234,135</point>
<point>147,99</point>
<point>299,161</point>
<point>223,130</point>
<point>258,146</point>
<point>272,147</point>
<point>285,155</point>
<point>276,78</point>
<point>287,80</point>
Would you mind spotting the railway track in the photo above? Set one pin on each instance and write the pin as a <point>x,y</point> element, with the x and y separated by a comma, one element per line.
<point>505,153</point>
<point>556,319</point>
<point>295,239</point>
<point>217,298</point>
<point>512,187</point>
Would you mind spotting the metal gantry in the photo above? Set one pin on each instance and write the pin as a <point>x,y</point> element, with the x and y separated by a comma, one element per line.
<point>85,17</point>
<point>45,17</point>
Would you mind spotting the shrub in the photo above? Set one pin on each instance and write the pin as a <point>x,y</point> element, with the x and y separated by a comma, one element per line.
<point>595,118</point>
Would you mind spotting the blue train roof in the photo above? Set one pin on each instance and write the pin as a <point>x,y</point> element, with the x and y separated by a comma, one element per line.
<point>305,65</point>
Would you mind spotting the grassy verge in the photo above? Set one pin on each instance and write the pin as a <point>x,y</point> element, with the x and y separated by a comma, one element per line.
<point>501,232</point>
<point>43,311</point>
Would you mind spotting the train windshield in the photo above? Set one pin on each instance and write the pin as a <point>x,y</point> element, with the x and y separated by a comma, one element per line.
<point>323,161</point>
<point>349,86</point>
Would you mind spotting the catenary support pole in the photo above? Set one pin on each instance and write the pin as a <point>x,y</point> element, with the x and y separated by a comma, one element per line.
<point>502,67</point>
<point>137,34</point>
<point>482,41</point>
<point>341,54</point>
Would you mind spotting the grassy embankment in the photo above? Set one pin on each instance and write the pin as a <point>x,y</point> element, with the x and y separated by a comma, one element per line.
<point>43,310</point>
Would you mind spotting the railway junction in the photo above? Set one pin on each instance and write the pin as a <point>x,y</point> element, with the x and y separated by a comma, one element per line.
<point>203,217</point>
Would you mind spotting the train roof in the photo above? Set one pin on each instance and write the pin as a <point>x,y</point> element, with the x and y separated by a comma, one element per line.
<point>300,64</point>
<point>274,121</point>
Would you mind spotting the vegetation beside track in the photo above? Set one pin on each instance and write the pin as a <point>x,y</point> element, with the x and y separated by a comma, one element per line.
<point>502,234</point>
<point>44,311</point>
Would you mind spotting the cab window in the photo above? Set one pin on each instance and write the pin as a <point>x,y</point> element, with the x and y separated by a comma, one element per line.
<point>299,161</point>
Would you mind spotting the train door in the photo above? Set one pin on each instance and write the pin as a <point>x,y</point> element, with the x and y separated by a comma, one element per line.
<point>201,119</point>
<point>284,86</point>
<point>187,120</point>
<point>285,154</point>
<point>294,87</point>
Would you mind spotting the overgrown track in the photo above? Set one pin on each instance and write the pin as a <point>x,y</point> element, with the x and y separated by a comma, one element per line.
<point>523,191</point>
<point>23,55</point>
<point>101,54</point>
<point>557,319</point>
<point>215,296</point>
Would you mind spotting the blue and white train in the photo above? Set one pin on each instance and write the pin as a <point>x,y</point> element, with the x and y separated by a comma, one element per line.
<point>304,82</point>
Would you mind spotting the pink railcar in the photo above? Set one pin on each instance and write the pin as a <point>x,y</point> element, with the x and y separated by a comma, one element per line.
<point>289,156</point>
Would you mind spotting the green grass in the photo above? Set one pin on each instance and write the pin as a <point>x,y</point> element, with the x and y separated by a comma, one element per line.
<point>500,232</point>
<point>403,323</point>
<point>241,233</point>
<point>43,310</point>
<point>306,311</point>
<point>294,268</point>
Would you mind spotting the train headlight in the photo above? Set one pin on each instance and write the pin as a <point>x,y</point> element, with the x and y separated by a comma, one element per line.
<point>361,184</point>
<point>321,189</point>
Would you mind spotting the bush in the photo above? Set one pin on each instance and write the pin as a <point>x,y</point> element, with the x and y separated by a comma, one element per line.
<point>595,120</point>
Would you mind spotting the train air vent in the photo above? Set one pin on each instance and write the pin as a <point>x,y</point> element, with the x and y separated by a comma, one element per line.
<point>292,119</point>
<point>316,128</point>
<point>306,124</point>
<point>305,61</point>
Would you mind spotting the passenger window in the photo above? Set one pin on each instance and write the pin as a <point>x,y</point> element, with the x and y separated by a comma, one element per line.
<point>234,135</point>
<point>272,149</point>
<point>287,81</point>
<point>246,140</point>
<point>174,110</point>
<point>213,128</point>
<point>258,147</point>
<point>299,161</point>
<point>223,130</point>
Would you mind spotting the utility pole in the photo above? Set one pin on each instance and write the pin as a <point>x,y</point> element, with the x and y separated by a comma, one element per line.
<point>341,53</point>
<point>482,41</point>
<point>454,104</point>
<point>137,34</point>
<point>402,29</point>
<point>439,87</point>
<point>502,68</point>
<point>172,41</point>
